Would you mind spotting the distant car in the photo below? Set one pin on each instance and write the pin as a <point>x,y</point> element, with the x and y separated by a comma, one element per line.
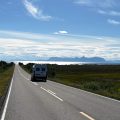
<point>39,72</point>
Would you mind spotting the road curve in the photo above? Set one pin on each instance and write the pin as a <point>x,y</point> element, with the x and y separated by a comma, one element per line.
<point>53,101</point>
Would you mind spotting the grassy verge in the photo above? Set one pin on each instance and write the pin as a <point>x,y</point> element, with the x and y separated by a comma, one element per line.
<point>100,79</point>
<point>5,77</point>
<point>91,82</point>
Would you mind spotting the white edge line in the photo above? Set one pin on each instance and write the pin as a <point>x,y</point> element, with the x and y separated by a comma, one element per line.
<point>100,95</point>
<point>25,77</point>
<point>93,93</point>
<point>87,116</point>
<point>52,94</point>
<point>22,75</point>
<point>34,83</point>
<point>7,100</point>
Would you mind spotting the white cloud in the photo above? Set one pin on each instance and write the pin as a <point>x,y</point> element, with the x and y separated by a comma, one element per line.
<point>83,2</point>
<point>96,3</point>
<point>61,32</point>
<point>36,12</point>
<point>114,13</point>
<point>102,12</point>
<point>114,22</point>
<point>26,35</point>
<point>111,13</point>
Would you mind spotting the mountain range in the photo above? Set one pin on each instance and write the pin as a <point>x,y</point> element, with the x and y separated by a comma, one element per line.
<point>77,59</point>
<point>58,59</point>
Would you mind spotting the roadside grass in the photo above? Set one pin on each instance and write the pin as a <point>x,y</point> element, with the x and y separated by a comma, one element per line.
<point>99,79</point>
<point>103,84</point>
<point>5,77</point>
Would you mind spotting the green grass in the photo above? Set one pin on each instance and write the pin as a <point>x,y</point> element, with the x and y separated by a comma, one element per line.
<point>100,79</point>
<point>5,77</point>
<point>107,84</point>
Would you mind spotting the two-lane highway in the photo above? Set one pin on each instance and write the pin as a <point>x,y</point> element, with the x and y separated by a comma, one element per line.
<point>53,101</point>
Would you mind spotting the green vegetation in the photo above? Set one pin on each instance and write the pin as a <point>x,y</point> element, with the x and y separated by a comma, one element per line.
<point>100,79</point>
<point>6,72</point>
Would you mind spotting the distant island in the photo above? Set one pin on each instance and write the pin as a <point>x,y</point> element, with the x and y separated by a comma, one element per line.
<point>77,59</point>
<point>59,59</point>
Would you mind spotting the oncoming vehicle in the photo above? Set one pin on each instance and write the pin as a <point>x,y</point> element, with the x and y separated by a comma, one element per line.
<point>39,72</point>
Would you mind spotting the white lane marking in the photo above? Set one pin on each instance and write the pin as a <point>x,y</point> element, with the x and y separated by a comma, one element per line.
<point>22,75</point>
<point>93,93</point>
<point>53,94</point>
<point>7,100</point>
<point>84,114</point>
<point>34,83</point>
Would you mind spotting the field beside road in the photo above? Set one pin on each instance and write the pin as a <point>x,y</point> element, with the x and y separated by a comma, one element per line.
<point>6,72</point>
<point>100,79</point>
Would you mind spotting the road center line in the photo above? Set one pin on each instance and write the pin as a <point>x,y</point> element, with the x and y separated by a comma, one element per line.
<point>53,94</point>
<point>7,100</point>
<point>84,114</point>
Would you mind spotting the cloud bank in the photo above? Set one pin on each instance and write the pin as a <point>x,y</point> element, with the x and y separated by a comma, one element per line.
<point>59,46</point>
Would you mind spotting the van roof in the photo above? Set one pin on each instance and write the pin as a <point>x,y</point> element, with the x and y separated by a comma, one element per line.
<point>36,65</point>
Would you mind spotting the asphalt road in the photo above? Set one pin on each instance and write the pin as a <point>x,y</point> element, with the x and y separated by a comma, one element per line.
<point>53,101</point>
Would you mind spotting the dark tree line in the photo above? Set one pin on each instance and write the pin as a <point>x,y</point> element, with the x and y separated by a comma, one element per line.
<point>4,65</point>
<point>54,69</point>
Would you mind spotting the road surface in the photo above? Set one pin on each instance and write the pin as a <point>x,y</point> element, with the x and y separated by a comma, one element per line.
<point>53,101</point>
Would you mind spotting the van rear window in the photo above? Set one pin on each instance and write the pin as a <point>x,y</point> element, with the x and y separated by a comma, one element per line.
<point>37,69</point>
<point>43,69</point>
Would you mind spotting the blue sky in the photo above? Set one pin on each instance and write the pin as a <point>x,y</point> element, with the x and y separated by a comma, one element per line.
<point>67,28</point>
